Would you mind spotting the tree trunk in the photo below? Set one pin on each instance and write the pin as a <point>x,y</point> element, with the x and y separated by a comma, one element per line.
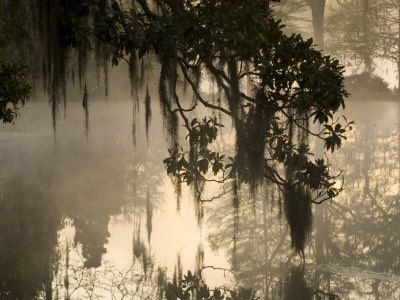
<point>318,12</point>
<point>366,37</point>
<point>398,75</point>
<point>398,47</point>
<point>398,147</point>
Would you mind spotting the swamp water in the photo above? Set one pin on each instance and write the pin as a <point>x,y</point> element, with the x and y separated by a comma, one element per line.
<point>93,217</point>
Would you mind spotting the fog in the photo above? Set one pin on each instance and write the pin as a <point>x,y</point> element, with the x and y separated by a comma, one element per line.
<point>88,196</point>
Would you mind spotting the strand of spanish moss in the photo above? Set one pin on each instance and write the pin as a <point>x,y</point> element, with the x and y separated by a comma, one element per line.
<point>178,192</point>
<point>297,205</point>
<point>147,106</point>
<point>236,203</point>
<point>139,248</point>
<point>43,19</point>
<point>170,118</point>
<point>149,214</point>
<point>179,269</point>
<point>54,57</point>
<point>134,122</point>
<point>258,126</point>
<point>199,258</point>
<point>85,104</point>
<point>102,50</point>
<point>132,63</point>
<point>82,63</point>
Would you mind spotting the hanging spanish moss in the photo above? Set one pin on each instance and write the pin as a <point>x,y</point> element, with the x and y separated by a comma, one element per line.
<point>140,250</point>
<point>297,202</point>
<point>179,270</point>
<point>85,104</point>
<point>149,214</point>
<point>268,93</point>
<point>82,63</point>
<point>252,143</point>
<point>199,258</point>
<point>236,203</point>
<point>170,117</point>
<point>55,30</point>
<point>55,55</point>
<point>161,282</point>
<point>67,269</point>
<point>178,192</point>
<point>103,51</point>
<point>134,122</point>
<point>133,74</point>
<point>147,105</point>
<point>296,286</point>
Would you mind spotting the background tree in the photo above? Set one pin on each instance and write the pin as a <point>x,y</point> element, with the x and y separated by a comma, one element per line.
<point>389,33</point>
<point>318,16</point>
<point>356,25</point>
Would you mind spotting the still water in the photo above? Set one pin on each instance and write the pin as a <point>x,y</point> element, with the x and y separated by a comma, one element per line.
<point>96,217</point>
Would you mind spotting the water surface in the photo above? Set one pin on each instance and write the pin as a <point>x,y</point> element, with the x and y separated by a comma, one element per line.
<point>95,217</point>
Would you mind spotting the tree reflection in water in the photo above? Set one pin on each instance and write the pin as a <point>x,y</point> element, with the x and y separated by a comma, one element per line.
<point>84,190</point>
<point>28,233</point>
<point>363,222</point>
<point>354,247</point>
<point>355,255</point>
<point>139,279</point>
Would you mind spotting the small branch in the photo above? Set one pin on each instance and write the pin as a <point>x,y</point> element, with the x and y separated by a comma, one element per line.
<point>217,269</point>
<point>225,192</point>
<point>147,10</point>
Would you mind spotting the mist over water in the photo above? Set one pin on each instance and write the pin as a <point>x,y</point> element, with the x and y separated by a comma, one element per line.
<point>74,207</point>
<point>73,203</point>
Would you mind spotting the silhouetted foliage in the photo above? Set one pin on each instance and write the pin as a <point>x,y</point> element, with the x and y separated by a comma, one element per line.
<point>191,286</point>
<point>273,86</point>
<point>14,89</point>
<point>14,86</point>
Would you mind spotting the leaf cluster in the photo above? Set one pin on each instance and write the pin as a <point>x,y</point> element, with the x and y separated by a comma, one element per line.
<point>193,287</point>
<point>188,166</point>
<point>14,89</point>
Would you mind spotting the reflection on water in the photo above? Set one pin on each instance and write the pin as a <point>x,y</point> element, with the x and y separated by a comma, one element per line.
<point>89,219</point>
